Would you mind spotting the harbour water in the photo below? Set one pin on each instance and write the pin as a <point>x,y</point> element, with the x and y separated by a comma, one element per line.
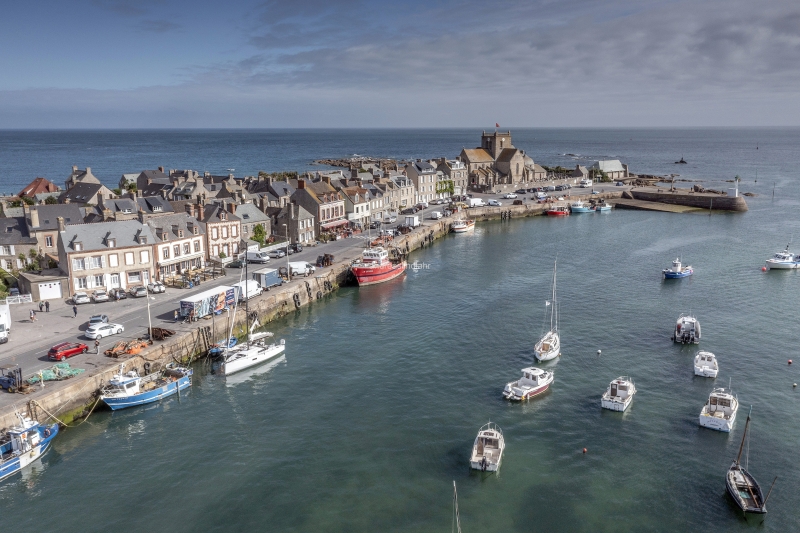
<point>371,415</point>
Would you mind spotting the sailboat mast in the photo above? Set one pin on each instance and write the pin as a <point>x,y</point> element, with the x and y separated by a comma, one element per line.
<point>741,446</point>
<point>554,313</point>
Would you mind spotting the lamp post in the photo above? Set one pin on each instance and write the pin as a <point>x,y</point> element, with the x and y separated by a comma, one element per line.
<point>288,267</point>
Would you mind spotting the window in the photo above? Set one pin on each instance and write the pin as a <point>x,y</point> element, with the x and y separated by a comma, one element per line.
<point>180,233</point>
<point>78,264</point>
<point>236,247</point>
<point>165,252</point>
<point>115,280</point>
<point>112,243</point>
<point>142,239</point>
<point>128,258</point>
<point>144,256</point>
<point>186,248</point>
<point>48,241</point>
<point>176,250</point>
<point>97,261</point>
<point>134,277</point>
<point>196,246</point>
<point>113,260</point>
<point>78,246</point>
<point>80,283</point>
<point>234,231</point>
<point>224,232</point>
<point>9,265</point>
<point>214,234</point>
<point>6,250</point>
<point>100,280</point>
<point>216,249</point>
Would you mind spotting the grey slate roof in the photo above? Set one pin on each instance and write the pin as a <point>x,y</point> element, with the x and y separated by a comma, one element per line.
<point>121,205</point>
<point>154,204</point>
<point>48,215</point>
<point>14,231</point>
<point>95,236</point>
<point>300,213</point>
<point>168,223</point>
<point>211,213</point>
<point>249,213</point>
<point>81,192</point>
<point>423,167</point>
<point>609,165</point>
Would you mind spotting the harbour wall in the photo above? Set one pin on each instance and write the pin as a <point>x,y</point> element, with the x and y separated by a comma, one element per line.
<point>684,197</point>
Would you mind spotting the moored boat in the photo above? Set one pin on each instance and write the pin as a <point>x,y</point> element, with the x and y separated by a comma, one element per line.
<point>677,271</point>
<point>487,451</point>
<point>602,207</point>
<point>128,389</point>
<point>705,365</point>
<point>219,348</point>
<point>462,226</point>
<point>376,267</point>
<point>558,211</point>
<point>742,486</point>
<point>252,353</point>
<point>687,330</point>
<point>619,394</point>
<point>534,381</point>
<point>24,444</point>
<point>719,412</point>
<point>549,346</point>
<point>579,207</point>
<point>783,261</point>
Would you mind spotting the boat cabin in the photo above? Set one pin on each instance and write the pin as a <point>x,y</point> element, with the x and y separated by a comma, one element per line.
<point>721,404</point>
<point>24,437</point>
<point>374,255</point>
<point>488,444</point>
<point>619,389</point>
<point>532,377</point>
<point>123,384</point>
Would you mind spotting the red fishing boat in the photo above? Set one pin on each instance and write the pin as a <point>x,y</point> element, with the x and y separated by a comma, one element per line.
<point>375,267</point>
<point>558,211</point>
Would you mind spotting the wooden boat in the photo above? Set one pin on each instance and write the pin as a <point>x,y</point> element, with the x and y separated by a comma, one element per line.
<point>742,486</point>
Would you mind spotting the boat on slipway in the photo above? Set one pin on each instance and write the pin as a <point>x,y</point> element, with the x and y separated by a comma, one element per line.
<point>128,389</point>
<point>719,412</point>
<point>578,206</point>
<point>687,330</point>
<point>705,365</point>
<point>462,226</point>
<point>487,451</point>
<point>619,394</point>
<point>677,271</point>
<point>24,444</point>
<point>783,261</point>
<point>534,381</point>
<point>376,267</point>
<point>742,486</point>
<point>549,346</point>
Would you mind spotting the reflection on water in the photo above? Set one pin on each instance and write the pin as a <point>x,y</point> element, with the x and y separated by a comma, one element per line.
<point>247,375</point>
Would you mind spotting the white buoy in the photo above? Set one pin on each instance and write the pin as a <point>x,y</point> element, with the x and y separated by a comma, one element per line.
<point>599,352</point>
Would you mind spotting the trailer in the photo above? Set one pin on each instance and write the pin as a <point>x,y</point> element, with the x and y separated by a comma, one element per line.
<point>207,302</point>
<point>267,278</point>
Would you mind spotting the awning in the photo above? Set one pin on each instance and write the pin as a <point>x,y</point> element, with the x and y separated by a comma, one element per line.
<point>334,224</point>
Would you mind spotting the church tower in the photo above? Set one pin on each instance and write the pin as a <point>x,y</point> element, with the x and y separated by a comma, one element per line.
<point>496,142</point>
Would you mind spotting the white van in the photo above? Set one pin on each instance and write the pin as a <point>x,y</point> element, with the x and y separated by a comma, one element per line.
<point>246,289</point>
<point>301,268</point>
<point>585,183</point>
<point>258,257</point>
<point>476,202</point>
<point>436,215</point>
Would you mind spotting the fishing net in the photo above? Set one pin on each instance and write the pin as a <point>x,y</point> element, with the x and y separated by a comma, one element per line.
<point>57,372</point>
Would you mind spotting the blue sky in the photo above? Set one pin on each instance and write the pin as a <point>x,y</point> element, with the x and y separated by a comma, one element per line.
<point>436,63</point>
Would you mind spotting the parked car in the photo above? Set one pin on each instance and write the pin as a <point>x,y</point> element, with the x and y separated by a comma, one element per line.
<point>156,287</point>
<point>517,202</point>
<point>619,184</point>
<point>277,254</point>
<point>80,297</point>
<point>409,211</point>
<point>550,188</point>
<point>98,331</point>
<point>97,319</point>
<point>296,247</point>
<point>137,291</point>
<point>561,188</point>
<point>494,203</point>
<point>423,205</point>
<point>61,351</point>
<point>512,195</point>
<point>100,295</point>
<point>118,294</point>
<point>390,219</point>
<point>13,291</point>
<point>289,250</point>
<point>436,215</point>
<point>236,263</point>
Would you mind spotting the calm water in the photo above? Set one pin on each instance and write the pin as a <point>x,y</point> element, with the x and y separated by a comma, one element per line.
<point>373,412</point>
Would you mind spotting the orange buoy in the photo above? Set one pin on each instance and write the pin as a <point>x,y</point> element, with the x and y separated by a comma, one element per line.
<point>584,450</point>
<point>763,269</point>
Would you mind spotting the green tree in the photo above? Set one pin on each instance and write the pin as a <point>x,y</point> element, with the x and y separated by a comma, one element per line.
<point>28,201</point>
<point>51,200</point>
<point>117,191</point>
<point>259,234</point>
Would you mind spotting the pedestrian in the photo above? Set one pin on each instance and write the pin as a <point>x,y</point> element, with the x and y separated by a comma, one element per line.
<point>96,346</point>
<point>176,315</point>
<point>47,306</point>
<point>33,315</point>
<point>74,311</point>
<point>41,306</point>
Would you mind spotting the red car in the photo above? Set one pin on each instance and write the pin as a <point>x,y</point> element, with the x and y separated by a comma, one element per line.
<point>59,352</point>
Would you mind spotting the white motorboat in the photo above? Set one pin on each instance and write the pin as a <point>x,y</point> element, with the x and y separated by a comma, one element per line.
<point>619,394</point>
<point>549,346</point>
<point>783,261</point>
<point>462,226</point>
<point>705,365</point>
<point>719,412</point>
<point>487,452</point>
<point>534,381</point>
<point>687,330</point>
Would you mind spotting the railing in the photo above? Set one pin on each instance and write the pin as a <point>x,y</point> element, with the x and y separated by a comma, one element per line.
<point>21,299</point>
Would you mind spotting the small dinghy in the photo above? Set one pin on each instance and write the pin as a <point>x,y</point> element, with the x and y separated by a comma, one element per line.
<point>719,412</point>
<point>487,452</point>
<point>221,347</point>
<point>687,330</point>
<point>705,365</point>
<point>742,486</point>
<point>533,382</point>
<point>677,271</point>
<point>619,394</point>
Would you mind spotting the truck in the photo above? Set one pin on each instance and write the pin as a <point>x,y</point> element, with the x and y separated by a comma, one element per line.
<point>412,221</point>
<point>267,278</point>
<point>207,302</point>
<point>246,289</point>
<point>5,323</point>
<point>301,268</point>
<point>475,202</point>
<point>257,257</point>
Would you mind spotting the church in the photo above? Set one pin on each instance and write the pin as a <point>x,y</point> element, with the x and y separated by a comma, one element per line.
<point>498,162</point>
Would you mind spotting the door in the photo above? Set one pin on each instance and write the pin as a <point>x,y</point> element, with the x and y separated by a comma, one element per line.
<point>50,290</point>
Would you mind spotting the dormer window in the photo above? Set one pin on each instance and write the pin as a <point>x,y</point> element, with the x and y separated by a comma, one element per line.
<point>142,239</point>
<point>112,243</point>
<point>78,246</point>
<point>180,233</point>
<point>127,211</point>
<point>156,208</point>
<point>223,216</point>
<point>195,230</point>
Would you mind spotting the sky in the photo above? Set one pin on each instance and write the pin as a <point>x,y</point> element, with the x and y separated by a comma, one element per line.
<point>413,63</point>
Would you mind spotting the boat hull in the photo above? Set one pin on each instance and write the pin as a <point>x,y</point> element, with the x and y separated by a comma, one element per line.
<point>159,393</point>
<point>613,405</point>
<point>548,348</point>
<point>456,228</point>
<point>372,275</point>
<point>584,209</point>
<point>737,482</point>
<point>555,213</point>
<point>677,275</point>
<point>782,265</point>
<point>603,208</point>
<point>517,395</point>
<point>13,465</point>
<point>250,358</point>
<point>706,372</point>
<point>717,423</point>
<point>490,467</point>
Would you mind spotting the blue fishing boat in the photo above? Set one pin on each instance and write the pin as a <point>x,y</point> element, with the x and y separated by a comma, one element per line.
<point>127,389</point>
<point>219,349</point>
<point>677,271</point>
<point>23,444</point>
<point>579,207</point>
<point>602,208</point>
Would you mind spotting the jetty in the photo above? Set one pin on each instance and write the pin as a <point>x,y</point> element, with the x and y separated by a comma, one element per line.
<point>690,197</point>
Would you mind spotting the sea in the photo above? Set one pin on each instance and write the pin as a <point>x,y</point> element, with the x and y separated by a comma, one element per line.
<point>369,418</point>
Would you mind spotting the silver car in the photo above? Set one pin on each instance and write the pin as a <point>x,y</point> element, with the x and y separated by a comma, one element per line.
<point>81,297</point>
<point>100,295</point>
<point>100,330</point>
<point>156,287</point>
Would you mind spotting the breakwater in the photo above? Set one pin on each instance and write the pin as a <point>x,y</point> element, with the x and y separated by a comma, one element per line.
<point>691,199</point>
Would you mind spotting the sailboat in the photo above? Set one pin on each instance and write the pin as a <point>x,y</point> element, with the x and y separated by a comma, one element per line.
<point>742,486</point>
<point>549,347</point>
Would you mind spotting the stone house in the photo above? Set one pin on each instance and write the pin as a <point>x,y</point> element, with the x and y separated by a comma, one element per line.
<point>15,242</point>
<point>295,221</point>
<point>454,171</point>
<point>497,162</point>
<point>179,243</point>
<point>251,216</point>
<point>223,230</point>
<point>423,176</point>
<point>357,205</point>
<point>42,224</point>
<point>80,176</point>
<point>83,193</point>
<point>400,191</point>
<point>580,172</point>
<point>105,255</point>
<point>319,198</point>
<point>613,168</point>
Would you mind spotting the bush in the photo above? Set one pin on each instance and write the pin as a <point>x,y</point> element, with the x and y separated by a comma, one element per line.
<point>51,200</point>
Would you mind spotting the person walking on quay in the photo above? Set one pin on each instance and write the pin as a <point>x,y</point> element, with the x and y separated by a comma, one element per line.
<point>176,315</point>
<point>33,315</point>
<point>41,306</point>
<point>96,346</point>
<point>47,306</point>
<point>74,311</point>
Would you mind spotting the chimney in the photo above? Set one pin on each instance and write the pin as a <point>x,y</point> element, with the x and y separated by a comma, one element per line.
<point>164,194</point>
<point>200,213</point>
<point>301,184</point>
<point>88,170</point>
<point>326,179</point>
<point>291,211</point>
<point>34,218</point>
<point>263,203</point>
<point>161,169</point>
<point>190,209</point>
<point>74,168</point>
<point>66,200</point>
<point>61,227</point>
<point>232,208</point>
